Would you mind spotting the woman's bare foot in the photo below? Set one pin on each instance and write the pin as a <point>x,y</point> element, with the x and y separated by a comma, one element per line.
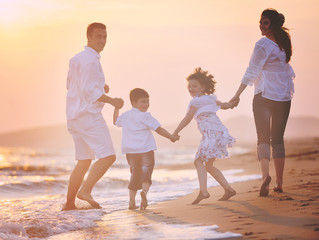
<point>228,194</point>
<point>264,190</point>
<point>89,199</point>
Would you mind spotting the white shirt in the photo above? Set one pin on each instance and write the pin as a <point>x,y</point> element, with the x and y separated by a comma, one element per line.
<point>270,73</point>
<point>204,103</point>
<point>137,136</point>
<point>85,84</point>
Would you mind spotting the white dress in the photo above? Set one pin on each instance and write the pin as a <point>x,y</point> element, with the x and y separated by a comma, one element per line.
<point>215,136</point>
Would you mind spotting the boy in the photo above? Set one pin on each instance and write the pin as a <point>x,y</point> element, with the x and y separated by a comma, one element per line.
<point>138,143</point>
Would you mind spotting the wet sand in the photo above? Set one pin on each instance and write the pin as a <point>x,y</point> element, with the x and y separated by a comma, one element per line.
<point>293,214</point>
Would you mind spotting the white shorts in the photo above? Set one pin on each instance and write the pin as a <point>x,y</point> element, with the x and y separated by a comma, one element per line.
<point>91,137</point>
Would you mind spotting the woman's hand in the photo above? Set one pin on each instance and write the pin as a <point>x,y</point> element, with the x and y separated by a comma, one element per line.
<point>234,101</point>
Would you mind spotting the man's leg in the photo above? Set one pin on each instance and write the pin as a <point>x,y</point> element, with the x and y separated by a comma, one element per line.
<point>97,171</point>
<point>75,182</point>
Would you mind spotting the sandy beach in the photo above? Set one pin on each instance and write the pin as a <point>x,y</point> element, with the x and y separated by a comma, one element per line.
<point>293,214</point>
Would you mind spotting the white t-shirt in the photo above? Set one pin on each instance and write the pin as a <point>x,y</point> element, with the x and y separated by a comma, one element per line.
<point>137,134</point>
<point>270,73</point>
<point>85,84</point>
<point>204,103</point>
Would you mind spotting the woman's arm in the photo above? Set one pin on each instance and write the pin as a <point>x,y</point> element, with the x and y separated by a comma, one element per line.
<point>240,89</point>
<point>186,120</point>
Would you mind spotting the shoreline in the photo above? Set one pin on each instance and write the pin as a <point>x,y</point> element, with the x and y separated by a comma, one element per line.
<point>293,214</point>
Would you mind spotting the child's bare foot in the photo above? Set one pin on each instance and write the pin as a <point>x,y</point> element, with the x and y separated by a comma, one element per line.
<point>200,197</point>
<point>89,199</point>
<point>144,203</point>
<point>228,194</point>
<point>67,207</point>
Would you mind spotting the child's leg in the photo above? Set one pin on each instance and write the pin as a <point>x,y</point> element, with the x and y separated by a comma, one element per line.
<point>202,175</point>
<point>148,162</point>
<point>202,178</point>
<point>132,194</point>
<point>218,175</point>
<point>146,186</point>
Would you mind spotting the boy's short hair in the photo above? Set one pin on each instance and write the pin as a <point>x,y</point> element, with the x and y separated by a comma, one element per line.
<point>93,26</point>
<point>138,93</point>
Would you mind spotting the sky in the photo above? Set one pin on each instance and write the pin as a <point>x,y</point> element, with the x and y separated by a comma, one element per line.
<point>153,45</point>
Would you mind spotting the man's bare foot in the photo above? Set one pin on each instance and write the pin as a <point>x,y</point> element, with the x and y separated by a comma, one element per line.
<point>89,199</point>
<point>67,207</point>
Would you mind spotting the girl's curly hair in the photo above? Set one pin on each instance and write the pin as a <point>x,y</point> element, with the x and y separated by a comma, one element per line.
<point>204,78</point>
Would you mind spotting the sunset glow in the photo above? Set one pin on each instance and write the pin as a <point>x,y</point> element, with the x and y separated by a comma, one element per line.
<point>151,44</point>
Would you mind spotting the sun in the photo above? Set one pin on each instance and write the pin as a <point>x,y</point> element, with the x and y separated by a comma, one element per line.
<point>9,12</point>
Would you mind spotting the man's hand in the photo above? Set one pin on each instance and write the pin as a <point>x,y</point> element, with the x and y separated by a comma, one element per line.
<point>106,88</point>
<point>117,103</point>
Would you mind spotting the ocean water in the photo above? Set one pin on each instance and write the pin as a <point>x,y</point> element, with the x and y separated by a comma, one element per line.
<point>33,185</point>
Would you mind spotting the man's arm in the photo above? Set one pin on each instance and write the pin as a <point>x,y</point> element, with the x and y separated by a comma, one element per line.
<point>116,102</point>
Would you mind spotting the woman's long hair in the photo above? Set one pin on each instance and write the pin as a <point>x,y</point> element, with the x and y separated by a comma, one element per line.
<point>281,33</point>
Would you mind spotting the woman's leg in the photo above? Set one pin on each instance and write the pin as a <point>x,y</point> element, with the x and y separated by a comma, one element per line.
<point>279,120</point>
<point>279,167</point>
<point>262,109</point>
<point>220,178</point>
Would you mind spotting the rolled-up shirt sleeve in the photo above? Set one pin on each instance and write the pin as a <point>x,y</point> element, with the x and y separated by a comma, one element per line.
<point>150,121</point>
<point>256,63</point>
<point>90,84</point>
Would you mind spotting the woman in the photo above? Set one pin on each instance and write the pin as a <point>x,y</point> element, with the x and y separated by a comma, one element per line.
<point>272,76</point>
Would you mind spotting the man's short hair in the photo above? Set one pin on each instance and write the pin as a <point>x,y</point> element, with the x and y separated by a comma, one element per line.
<point>138,93</point>
<point>93,26</point>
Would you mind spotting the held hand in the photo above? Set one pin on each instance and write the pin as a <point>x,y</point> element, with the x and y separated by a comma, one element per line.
<point>118,103</point>
<point>233,104</point>
<point>175,138</point>
<point>234,101</point>
<point>106,88</point>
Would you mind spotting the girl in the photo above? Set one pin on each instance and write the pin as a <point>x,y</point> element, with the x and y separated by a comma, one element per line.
<point>215,136</point>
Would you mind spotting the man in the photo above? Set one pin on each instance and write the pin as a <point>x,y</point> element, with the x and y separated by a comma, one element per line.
<point>85,100</point>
